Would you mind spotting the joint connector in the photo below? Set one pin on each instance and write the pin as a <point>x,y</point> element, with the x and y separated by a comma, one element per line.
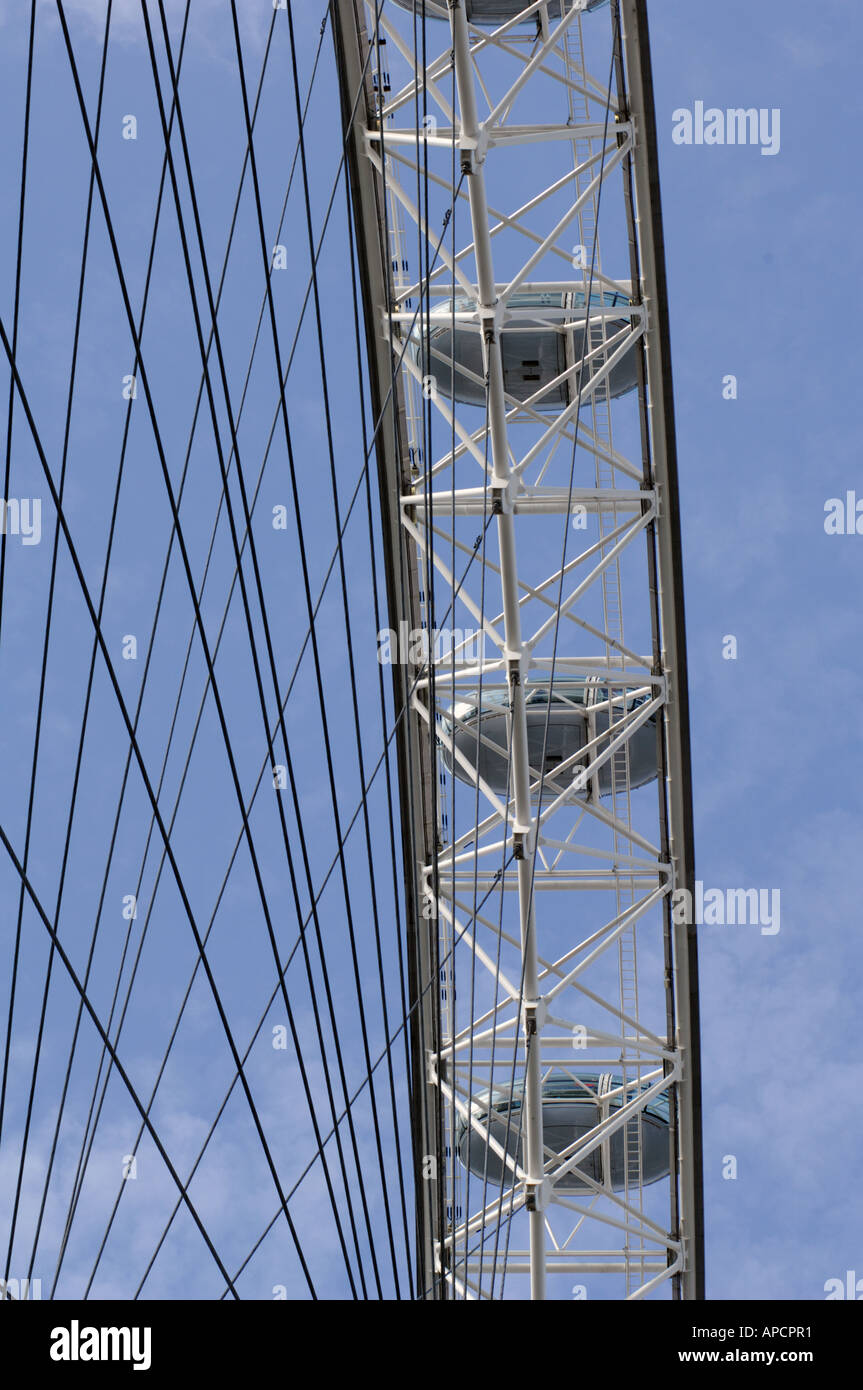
<point>513,671</point>
<point>501,499</point>
<point>522,841</point>
<point>535,1194</point>
<point>534,1016</point>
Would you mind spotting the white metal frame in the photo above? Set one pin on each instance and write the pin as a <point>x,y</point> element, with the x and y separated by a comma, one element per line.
<point>531,983</point>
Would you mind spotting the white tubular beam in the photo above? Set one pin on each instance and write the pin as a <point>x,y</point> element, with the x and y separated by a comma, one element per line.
<point>501,475</point>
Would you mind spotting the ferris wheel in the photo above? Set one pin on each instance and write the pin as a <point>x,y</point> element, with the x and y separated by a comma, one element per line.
<point>345,830</point>
<point>528,483</point>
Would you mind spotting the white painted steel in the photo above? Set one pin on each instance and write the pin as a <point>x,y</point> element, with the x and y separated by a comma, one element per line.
<point>591,945</point>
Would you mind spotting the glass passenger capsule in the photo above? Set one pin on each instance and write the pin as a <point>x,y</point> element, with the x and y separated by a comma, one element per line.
<point>575,706</point>
<point>543,336</point>
<point>571,1107</point>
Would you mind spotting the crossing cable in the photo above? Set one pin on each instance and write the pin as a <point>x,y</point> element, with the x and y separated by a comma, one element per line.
<point>351,665</point>
<point>424,1129</point>
<point>259,780</point>
<point>19,869</point>
<point>76,564</point>
<point>250,626</point>
<point>345,604</point>
<point>521,987</point>
<point>239,840</point>
<point>40,703</point>
<point>319,894</point>
<point>76,1189</point>
<point>142,691</point>
<point>6,490</point>
<point>154,626</point>
<point>352,499</point>
<point>86,593</point>
<point>321,889</point>
<point>580,380</point>
<point>430,984</point>
<point>276,688</point>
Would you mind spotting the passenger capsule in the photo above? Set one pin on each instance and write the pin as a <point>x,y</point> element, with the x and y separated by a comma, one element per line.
<point>579,712</point>
<point>499,11</point>
<point>571,1107</point>
<point>543,336</point>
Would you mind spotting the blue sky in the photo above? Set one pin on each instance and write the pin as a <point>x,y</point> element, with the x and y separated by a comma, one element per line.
<point>759,251</point>
<point>759,259</point>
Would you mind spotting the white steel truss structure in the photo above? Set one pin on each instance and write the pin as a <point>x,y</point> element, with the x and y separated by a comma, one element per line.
<point>529,498</point>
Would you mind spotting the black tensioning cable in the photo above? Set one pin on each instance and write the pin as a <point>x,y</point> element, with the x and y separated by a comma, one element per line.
<point>349,644</point>
<point>84,1155</point>
<point>6,489</point>
<point>293,951</point>
<point>430,984</point>
<point>240,837</point>
<point>76,1186</point>
<point>262,604</point>
<point>81,739</point>
<point>76,564</point>
<point>89,603</point>
<point>243,590</point>
<point>40,703</point>
<point>16,863</point>
<point>239,473</point>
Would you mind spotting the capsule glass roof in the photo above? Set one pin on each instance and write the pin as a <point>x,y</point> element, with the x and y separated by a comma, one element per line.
<point>561,1086</point>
